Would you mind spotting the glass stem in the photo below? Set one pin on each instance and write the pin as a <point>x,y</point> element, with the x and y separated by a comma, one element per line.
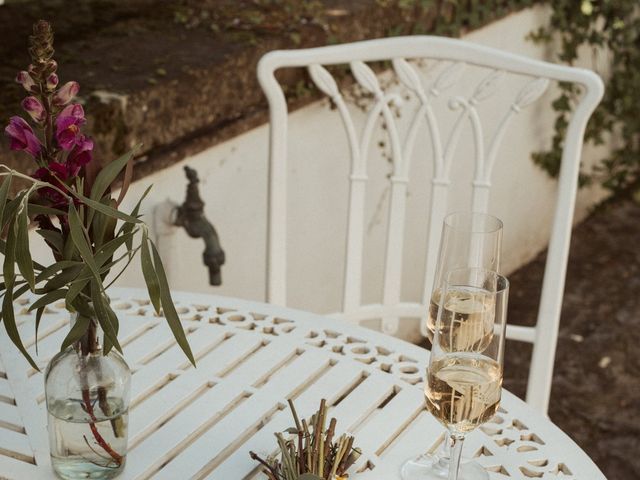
<point>456,453</point>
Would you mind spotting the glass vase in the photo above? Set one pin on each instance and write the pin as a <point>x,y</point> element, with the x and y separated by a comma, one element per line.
<point>87,395</point>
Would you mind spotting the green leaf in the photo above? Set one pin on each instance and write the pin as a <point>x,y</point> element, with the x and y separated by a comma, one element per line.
<point>109,173</point>
<point>38,319</point>
<point>54,239</point>
<point>169,308</point>
<point>8,315</point>
<point>23,254</point>
<point>149,272</point>
<point>47,299</point>
<point>104,317</point>
<point>12,207</point>
<point>106,209</point>
<point>62,279</point>
<point>4,191</point>
<point>75,289</point>
<point>128,227</point>
<point>77,331</point>
<point>36,209</point>
<point>80,240</point>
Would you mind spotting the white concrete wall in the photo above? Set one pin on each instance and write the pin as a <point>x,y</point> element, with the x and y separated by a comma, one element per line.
<point>234,179</point>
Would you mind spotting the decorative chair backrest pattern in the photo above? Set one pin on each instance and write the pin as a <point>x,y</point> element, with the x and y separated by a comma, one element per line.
<point>459,54</point>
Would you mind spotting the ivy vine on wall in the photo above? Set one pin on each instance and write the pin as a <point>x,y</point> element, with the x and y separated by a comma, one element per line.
<point>601,25</point>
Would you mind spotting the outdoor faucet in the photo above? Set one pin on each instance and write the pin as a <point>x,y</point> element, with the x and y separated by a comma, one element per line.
<point>190,215</point>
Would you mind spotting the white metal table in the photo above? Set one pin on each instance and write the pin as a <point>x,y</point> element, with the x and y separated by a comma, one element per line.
<point>200,423</point>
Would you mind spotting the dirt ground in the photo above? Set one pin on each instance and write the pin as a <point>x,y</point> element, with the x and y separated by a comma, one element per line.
<point>596,384</point>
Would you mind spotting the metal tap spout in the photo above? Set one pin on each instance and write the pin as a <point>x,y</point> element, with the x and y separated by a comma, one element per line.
<point>190,215</point>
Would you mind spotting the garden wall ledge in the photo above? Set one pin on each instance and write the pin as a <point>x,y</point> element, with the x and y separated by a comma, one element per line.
<point>180,77</point>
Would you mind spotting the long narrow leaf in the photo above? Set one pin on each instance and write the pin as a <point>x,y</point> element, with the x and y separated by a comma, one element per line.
<point>80,240</point>
<point>36,209</point>
<point>106,209</point>
<point>102,313</point>
<point>78,329</point>
<point>149,272</point>
<point>128,227</point>
<point>23,253</point>
<point>169,308</point>
<point>109,173</point>
<point>47,299</point>
<point>8,315</point>
<point>4,191</point>
<point>53,238</point>
<point>12,207</point>
<point>38,319</point>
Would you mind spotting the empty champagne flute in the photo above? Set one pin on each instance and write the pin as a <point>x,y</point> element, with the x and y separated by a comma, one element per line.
<point>464,377</point>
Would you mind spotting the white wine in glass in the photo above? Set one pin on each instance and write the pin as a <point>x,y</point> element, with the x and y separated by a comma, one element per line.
<point>464,377</point>
<point>469,240</point>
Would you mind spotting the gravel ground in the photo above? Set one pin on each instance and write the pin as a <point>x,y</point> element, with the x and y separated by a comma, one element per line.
<point>596,384</point>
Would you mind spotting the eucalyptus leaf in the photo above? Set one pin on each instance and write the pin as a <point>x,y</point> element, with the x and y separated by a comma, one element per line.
<point>128,227</point>
<point>38,319</point>
<point>104,317</point>
<point>8,315</point>
<point>4,191</point>
<point>169,308</point>
<point>23,254</point>
<point>149,273</point>
<point>109,173</point>
<point>78,329</point>
<point>80,240</point>
<point>53,238</point>
<point>47,299</point>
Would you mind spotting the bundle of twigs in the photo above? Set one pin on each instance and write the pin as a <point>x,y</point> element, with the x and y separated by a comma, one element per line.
<point>311,452</point>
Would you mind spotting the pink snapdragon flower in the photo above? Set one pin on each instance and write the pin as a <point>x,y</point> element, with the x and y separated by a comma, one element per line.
<point>80,155</point>
<point>22,137</point>
<point>34,108</point>
<point>24,79</point>
<point>52,81</point>
<point>68,126</point>
<point>66,93</point>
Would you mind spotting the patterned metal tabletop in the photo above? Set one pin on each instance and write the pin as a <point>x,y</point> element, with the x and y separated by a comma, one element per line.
<point>200,423</point>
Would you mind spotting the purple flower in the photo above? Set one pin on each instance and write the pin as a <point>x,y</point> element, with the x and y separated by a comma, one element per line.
<point>52,81</point>
<point>34,108</point>
<point>80,155</point>
<point>68,126</point>
<point>55,174</point>
<point>22,137</point>
<point>24,79</point>
<point>66,93</point>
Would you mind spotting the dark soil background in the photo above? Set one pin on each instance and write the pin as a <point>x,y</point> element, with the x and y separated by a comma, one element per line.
<point>596,385</point>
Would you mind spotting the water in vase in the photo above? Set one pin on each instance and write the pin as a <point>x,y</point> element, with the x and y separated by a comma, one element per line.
<point>86,442</point>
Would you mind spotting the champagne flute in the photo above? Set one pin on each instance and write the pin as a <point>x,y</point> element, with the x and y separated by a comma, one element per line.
<point>464,377</point>
<point>469,239</point>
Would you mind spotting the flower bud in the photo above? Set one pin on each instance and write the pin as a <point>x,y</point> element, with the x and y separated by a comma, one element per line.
<point>34,108</point>
<point>66,93</point>
<point>52,81</point>
<point>24,79</point>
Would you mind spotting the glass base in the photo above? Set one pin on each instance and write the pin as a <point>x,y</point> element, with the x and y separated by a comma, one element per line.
<point>79,468</point>
<point>432,467</point>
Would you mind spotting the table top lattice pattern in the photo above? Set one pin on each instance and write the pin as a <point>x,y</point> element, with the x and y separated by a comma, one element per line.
<point>200,423</point>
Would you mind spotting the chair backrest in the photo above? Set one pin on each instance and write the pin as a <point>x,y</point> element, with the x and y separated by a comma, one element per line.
<point>459,53</point>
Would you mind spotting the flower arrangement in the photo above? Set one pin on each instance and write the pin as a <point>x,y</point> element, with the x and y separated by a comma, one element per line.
<point>312,452</point>
<point>69,199</point>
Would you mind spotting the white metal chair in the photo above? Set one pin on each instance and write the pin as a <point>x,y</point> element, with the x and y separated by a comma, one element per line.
<point>544,334</point>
